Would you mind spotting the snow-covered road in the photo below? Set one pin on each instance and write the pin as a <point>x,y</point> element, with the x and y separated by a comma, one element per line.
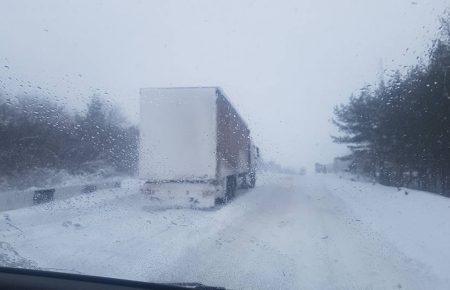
<point>290,232</point>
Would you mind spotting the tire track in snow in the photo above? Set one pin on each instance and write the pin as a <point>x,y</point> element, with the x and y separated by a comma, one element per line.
<point>295,235</point>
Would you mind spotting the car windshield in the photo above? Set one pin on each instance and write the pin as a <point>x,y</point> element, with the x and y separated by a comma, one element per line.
<point>239,144</point>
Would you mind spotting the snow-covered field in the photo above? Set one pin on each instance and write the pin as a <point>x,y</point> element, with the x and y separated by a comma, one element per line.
<point>290,232</point>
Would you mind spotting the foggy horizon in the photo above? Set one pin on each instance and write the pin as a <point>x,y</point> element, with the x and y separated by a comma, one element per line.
<point>284,65</point>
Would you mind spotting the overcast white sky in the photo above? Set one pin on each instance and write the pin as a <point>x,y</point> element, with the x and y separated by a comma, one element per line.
<point>284,64</point>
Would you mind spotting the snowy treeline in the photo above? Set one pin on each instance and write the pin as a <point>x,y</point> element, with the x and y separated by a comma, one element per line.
<point>38,137</point>
<point>399,132</point>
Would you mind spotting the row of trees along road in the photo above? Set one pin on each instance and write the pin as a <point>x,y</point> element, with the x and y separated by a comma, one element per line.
<point>399,132</point>
<point>37,134</point>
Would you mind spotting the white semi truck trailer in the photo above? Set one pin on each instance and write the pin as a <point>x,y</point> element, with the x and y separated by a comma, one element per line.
<point>194,146</point>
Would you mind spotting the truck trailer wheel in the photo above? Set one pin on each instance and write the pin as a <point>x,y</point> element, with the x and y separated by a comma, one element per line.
<point>252,178</point>
<point>219,201</point>
<point>231,187</point>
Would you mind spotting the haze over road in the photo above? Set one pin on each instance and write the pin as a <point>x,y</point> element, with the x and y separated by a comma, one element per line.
<point>284,64</point>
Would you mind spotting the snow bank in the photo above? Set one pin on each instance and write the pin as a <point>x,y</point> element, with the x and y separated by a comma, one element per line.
<point>416,222</point>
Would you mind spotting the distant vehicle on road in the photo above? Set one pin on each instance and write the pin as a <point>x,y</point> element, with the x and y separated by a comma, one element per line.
<point>320,168</point>
<point>194,146</point>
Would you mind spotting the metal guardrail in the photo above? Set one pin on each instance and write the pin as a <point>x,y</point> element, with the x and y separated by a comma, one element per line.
<point>10,200</point>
